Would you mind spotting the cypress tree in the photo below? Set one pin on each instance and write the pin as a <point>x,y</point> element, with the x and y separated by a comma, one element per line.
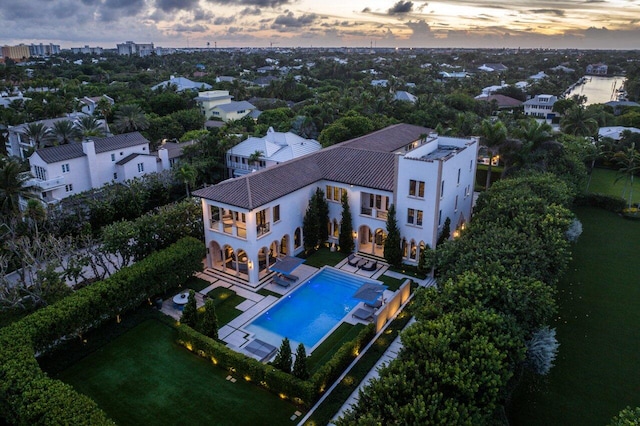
<point>392,249</point>
<point>322,209</point>
<point>446,232</point>
<point>345,240</point>
<point>300,365</point>
<point>190,312</point>
<point>209,324</point>
<point>283,357</point>
<point>310,227</point>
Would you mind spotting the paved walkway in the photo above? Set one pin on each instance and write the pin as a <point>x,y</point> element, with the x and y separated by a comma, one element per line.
<point>390,354</point>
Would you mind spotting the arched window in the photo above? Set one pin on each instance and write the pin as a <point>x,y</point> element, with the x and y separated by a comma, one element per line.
<point>413,252</point>
<point>405,248</point>
<point>336,228</point>
<point>297,238</point>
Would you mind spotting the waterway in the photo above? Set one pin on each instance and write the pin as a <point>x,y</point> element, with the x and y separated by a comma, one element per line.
<point>598,89</point>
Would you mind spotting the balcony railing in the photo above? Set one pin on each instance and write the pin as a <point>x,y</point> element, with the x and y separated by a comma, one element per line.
<point>48,184</point>
<point>367,211</point>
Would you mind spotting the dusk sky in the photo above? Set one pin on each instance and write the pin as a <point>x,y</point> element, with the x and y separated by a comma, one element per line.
<point>595,24</point>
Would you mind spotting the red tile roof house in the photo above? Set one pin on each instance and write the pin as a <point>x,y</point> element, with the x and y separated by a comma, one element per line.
<point>251,219</point>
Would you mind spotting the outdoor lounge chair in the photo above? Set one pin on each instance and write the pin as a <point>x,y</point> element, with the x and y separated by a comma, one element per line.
<point>370,266</point>
<point>375,304</point>
<point>281,281</point>
<point>290,277</point>
<point>363,314</point>
<point>353,260</point>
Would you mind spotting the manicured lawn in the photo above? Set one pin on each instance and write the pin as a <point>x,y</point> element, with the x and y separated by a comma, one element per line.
<point>602,182</point>
<point>393,283</point>
<point>226,301</point>
<point>196,284</point>
<point>144,377</point>
<point>323,353</point>
<point>323,257</point>
<point>596,373</point>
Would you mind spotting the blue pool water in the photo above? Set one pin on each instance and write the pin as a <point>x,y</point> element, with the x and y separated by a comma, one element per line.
<point>310,312</point>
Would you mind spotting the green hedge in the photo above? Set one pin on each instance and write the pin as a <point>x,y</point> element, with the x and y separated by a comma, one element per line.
<point>602,201</point>
<point>27,395</point>
<point>299,391</point>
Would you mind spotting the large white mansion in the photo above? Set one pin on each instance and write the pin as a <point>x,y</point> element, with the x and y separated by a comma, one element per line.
<point>252,219</point>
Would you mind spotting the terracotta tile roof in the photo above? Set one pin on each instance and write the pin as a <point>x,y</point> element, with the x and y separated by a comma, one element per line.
<point>367,161</point>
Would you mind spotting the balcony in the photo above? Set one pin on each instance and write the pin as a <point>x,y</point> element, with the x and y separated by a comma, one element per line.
<point>262,229</point>
<point>47,185</point>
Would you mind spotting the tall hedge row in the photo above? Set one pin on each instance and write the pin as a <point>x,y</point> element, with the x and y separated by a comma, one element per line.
<point>303,392</point>
<point>27,395</point>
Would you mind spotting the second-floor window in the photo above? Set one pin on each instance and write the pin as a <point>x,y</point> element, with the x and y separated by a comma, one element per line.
<point>40,172</point>
<point>65,168</point>
<point>140,167</point>
<point>115,176</point>
<point>335,193</point>
<point>276,213</point>
<point>414,217</point>
<point>68,188</point>
<point>416,188</point>
<point>113,157</point>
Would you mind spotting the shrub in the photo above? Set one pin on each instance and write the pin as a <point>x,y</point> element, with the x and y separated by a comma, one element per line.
<point>283,357</point>
<point>542,350</point>
<point>190,312</point>
<point>603,201</point>
<point>300,369</point>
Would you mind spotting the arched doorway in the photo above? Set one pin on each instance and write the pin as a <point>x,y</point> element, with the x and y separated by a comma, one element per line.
<point>380,237</point>
<point>216,257</point>
<point>284,245</point>
<point>297,238</point>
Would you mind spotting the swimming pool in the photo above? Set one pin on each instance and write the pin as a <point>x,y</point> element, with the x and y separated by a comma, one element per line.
<point>309,312</point>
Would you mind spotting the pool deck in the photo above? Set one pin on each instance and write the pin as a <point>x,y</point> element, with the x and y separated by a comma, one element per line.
<point>233,333</point>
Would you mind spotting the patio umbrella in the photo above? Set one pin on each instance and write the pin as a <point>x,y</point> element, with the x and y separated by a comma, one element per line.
<point>286,264</point>
<point>369,292</point>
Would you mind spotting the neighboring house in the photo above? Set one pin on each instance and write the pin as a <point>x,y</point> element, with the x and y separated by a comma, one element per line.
<point>169,153</point>
<point>182,84</point>
<point>264,81</point>
<point>492,89</point>
<point>225,78</point>
<point>266,69</point>
<point>212,98</point>
<point>562,68</point>
<point>380,83</point>
<point>5,101</point>
<point>89,105</point>
<point>275,148</point>
<point>492,68</point>
<point>597,69</point>
<point>232,111</point>
<point>64,170</point>
<point>620,106</point>
<point>218,104</point>
<point>251,219</point>
<point>502,100</point>
<point>401,95</point>
<point>457,74</point>
<point>539,76</point>
<point>18,144</point>
<point>540,106</point>
<point>615,132</point>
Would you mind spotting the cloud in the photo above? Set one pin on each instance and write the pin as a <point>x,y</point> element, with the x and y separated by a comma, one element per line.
<point>255,11</point>
<point>224,20</point>
<point>182,28</point>
<point>401,7</point>
<point>173,5</point>
<point>556,12</point>
<point>257,3</point>
<point>366,10</point>
<point>284,22</point>
<point>419,29</point>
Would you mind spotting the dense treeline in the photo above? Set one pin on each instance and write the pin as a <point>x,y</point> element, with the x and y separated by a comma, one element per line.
<point>496,291</point>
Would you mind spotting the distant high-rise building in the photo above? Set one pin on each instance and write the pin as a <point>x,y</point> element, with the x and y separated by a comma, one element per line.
<point>131,48</point>
<point>17,53</point>
<point>44,49</point>
<point>86,50</point>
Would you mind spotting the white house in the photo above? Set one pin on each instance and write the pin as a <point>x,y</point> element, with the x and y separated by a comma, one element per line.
<point>405,96</point>
<point>18,144</point>
<point>540,106</point>
<point>218,104</point>
<point>64,170</point>
<point>182,84</point>
<point>252,219</point>
<point>89,104</point>
<point>615,132</point>
<point>274,147</point>
<point>597,69</point>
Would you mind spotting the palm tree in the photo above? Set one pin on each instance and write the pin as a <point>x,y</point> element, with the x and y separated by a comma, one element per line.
<point>130,118</point>
<point>36,213</point>
<point>629,163</point>
<point>187,174</point>
<point>578,122</point>
<point>13,185</point>
<point>492,136</point>
<point>39,133</point>
<point>65,132</point>
<point>89,126</point>
<point>254,158</point>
